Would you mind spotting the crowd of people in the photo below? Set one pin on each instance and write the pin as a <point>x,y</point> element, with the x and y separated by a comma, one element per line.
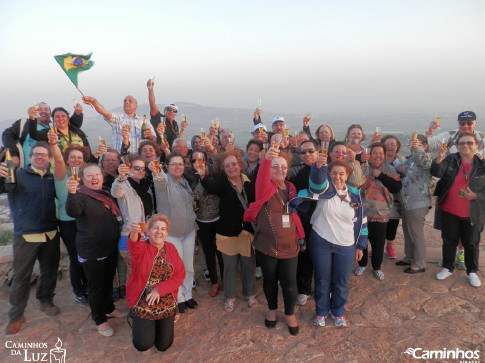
<point>299,207</point>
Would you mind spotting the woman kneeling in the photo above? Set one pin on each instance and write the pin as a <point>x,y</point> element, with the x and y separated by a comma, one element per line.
<point>151,292</point>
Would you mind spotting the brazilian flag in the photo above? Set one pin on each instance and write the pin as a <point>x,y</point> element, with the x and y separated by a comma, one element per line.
<point>72,64</point>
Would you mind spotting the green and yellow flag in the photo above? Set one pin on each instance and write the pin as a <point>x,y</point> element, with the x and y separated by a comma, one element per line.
<point>72,64</point>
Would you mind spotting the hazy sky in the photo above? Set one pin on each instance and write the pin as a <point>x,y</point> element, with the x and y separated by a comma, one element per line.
<point>318,56</point>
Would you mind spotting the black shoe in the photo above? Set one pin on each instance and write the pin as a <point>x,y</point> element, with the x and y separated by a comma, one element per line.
<point>409,270</point>
<point>122,292</point>
<point>116,294</point>
<point>82,299</point>
<point>191,303</point>
<point>181,307</point>
<point>269,323</point>
<point>294,329</point>
<point>402,263</point>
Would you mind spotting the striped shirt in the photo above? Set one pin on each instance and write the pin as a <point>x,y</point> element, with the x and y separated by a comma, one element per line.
<point>118,119</point>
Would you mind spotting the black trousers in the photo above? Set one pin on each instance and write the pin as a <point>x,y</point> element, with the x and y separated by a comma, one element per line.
<point>147,333</point>
<point>283,271</point>
<point>391,229</point>
<point>78,279</point>
<point>453,229</point>
<point>377,239</point>
<point>207,236</point>
<point>304,273</point>
<point>100,286</point>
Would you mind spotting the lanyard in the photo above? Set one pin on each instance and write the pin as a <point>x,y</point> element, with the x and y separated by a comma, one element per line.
<point>467,173</point>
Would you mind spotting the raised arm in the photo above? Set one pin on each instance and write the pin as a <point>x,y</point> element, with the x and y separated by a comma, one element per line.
<point>59,165</point>
<point>151,98</point>
<point>98,107</point>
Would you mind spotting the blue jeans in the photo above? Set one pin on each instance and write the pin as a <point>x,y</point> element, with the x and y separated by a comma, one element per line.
<point>332,265</point>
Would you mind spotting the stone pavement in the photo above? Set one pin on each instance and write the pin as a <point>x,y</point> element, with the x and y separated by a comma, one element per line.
<point>385,318</point>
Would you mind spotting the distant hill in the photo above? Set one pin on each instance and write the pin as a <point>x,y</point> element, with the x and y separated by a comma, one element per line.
<point>240,121</point>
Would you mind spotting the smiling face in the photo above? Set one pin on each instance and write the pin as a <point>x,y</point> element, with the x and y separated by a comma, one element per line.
<point>467,146</point>
<point>391,148</point>
<point>93,177</point>
<point>61,120</point>
<point>466,127</point>
<point>355,134</point>
<point>231,167</point>
<point>111,163</point>
<point>279,169</point>
<point>226,135</point>
<point>307,157</point>
<point>40,158</point>
<point>253,153</point>
<point>176,167</point>
<point>137,170</point>
<point>130,105</point>
<point>75,158</point>
<point>377,156</point>
<point>157,234</point>
<point>324,134</point>
<point>44,113</point>
<point>279,127</point>
<point>338,152</point>
<point>198,143</point>
<point>148,153</point>
<point>338,176</point>
<point>181,147</point>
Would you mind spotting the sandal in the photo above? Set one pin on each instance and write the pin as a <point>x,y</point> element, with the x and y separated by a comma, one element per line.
<point>253,302</point>
<point>229,306</point>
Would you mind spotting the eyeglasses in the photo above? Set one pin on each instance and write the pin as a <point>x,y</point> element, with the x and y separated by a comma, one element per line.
<point>176,164</point>
<point>40,155</point>
<point>465,123</point>
<point>277,167</point>
<point>195,160</point>
<point>231,165</point>
<point>468,143</point>
<point>138,168</point>
<point>310,151</point>
<point>171,110</point>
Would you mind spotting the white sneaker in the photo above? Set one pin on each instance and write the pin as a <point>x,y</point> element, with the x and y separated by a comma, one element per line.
<point>443,274</point>
<point>258,273</point>
<point>339,321</point>
<point>319,321</point>
<point>206,275</point>
<point>474,280</point>
<point>301,299</point>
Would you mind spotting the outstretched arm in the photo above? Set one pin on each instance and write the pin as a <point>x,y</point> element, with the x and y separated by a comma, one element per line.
<point>98,107</point>
<point>151,98</point>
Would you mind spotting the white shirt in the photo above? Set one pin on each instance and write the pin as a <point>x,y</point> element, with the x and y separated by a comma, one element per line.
<point>118,120</point>
<point>333,220</point>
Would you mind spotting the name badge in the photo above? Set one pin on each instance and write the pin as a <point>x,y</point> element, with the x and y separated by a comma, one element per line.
<point>285,220</point>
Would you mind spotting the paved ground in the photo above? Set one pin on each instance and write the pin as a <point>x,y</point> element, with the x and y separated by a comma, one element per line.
<point>385,318</point>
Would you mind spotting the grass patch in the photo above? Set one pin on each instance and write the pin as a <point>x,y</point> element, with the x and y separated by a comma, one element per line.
<point>6,238</point>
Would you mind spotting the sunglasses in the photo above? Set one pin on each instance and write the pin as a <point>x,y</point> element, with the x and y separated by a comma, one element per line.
<point>465,123</point>
<point>468,143</point>
<point>138,168</point>
<point>171,110</point>
<point>195,160</point>
<point>310,151</point>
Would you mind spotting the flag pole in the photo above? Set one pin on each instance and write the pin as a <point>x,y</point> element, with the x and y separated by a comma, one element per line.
<point>82,94</point>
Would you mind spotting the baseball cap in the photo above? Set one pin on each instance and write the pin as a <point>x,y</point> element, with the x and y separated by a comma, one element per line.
<point>256,127</point>
<point>467,116</point>
<point>171,105</point>
<point>278,119</point>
